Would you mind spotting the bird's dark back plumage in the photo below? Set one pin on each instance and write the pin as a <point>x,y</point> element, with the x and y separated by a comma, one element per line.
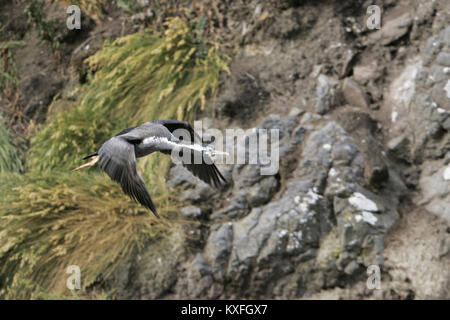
<point>125,131</point>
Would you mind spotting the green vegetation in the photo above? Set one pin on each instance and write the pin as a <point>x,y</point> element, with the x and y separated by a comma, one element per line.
<point>53,221</point>
<point>130,7</point>
<point>9,157</point>
<point>48,29</point>
<point>91,7</point>
<point>8,71</point>
<point>330,249</point>
<point>51,218</point>
<point>137,78</point>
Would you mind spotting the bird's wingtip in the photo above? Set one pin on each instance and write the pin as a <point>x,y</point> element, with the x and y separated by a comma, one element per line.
<point>156,214</point>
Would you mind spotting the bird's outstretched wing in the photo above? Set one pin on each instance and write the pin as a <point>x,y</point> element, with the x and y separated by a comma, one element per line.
<point>206,172</point>
<point>118,160</point>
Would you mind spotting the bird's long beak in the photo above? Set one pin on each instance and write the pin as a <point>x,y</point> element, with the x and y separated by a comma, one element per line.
<point>89,164</point>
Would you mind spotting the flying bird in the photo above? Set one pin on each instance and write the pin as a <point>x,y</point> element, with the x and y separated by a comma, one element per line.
<point>117,156</point>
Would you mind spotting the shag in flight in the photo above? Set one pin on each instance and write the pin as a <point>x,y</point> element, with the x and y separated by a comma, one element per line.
<point>117,156</point>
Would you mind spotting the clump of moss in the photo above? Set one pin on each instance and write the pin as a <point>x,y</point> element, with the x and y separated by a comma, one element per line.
<point>330,249</point>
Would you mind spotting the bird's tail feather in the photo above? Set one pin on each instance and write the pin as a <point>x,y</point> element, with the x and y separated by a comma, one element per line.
<point>94,160</point>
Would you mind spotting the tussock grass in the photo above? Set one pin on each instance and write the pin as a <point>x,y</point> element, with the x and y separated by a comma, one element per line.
<point>9,157</point>
<point>137,78</point>
<point>51,218</point>
<point>53,221</point>
<point>69,136</point>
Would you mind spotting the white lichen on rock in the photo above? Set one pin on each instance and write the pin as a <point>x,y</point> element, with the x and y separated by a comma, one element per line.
<point>447,88</point>
<point>369,217</point>
<point>447,173</point>
<point>360,202</point>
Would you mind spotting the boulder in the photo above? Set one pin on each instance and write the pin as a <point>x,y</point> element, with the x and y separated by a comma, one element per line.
<point>392,30</point>
<point>353,94</point>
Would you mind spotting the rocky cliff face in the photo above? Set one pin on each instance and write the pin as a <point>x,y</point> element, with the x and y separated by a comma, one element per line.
<point>364,175</point>
<point>363,119</point>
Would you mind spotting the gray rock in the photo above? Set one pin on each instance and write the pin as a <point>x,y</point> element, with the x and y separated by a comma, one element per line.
<point>425,120</point>
<point>262,192</point>
<point>308,255</point>
<point>351,268</point>
<point>218,249</point>
<point>236,209</point>
<point>199,280</point>
<point>247,175</point>
<point>191,212</point>
<point>443,58</point>
<point>366,72</point>
<point>432,47</point>
<point>375,168</point>
<point>379,244</point>
<point>344,259</point>
<point>326,94</point>
<point>392,30</point>
<point>201,193</point>
<point>299,134</point>
<point>349,61</point>
<point>352,231</point>
<point>272,241</point>
<point>420,105</point>
<point>295,112</point>
<point>286,25</point>
<point>438,74</point>
<point>151,272</point>
<point>250,187</point>
<point>400,148</point>
<point>445,36</point>
<point>446,124</point>
<point>179,175</point>
<point>354,95</point>
<point>310,118</point>
<point>435,187</point>
<point>284,125</point>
